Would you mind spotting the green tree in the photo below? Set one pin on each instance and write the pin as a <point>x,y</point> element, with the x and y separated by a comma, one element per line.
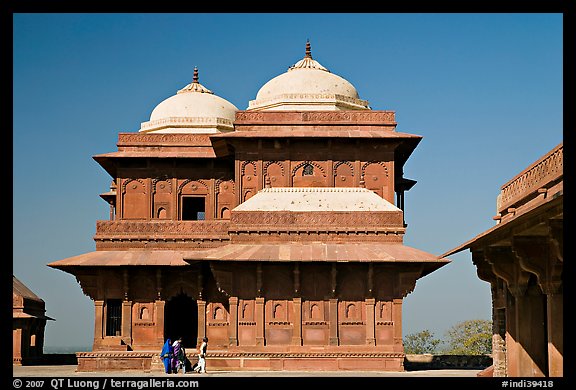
<point>472,337</point>
<point>421,342</point>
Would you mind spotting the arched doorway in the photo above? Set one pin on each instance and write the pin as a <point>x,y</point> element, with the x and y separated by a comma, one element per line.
<point>181,320</point>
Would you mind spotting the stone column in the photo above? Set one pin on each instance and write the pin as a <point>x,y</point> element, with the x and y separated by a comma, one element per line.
<point>511,337</point>
<point>397,323</point>
<point>505,265</point>
<point>297,321</point>
<point>499,341</point>
<point>485,273</point>
<point>533,255</point>
<point>260,340</point>
<point>17,344</point>
<point>201,320</point>
<point>98,321</point>
<point>233,323</point>
<point>333,312</point>
<point>159,313</point>
<point>531,342</point>
<point>370,321</point>
<point>127,322</point>
<point>555,320</point>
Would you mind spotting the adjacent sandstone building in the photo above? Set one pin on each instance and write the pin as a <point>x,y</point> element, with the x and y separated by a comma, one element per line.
<point>522,257</point>
<point>28,324</point>
<point>271,230</point>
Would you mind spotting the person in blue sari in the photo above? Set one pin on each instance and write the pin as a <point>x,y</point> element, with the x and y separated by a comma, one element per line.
<point>166,356</point>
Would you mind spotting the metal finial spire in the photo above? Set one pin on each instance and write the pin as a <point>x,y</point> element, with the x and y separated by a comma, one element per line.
<point>308,50</point>
<point>195,85</point>
<point>195,77</point>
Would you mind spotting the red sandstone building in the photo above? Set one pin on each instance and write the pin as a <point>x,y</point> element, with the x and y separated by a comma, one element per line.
<point>271,230</point>
<point>28,324</point>
<point>522,257</point>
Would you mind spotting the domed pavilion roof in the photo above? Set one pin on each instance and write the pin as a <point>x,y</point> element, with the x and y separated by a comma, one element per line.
<point>194,109</point>
<point>307,85</point>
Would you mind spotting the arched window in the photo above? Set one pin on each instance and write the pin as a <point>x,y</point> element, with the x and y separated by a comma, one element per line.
<point>315,312</point>
<point>278,311</point>
<point>225,213</point>
<point>351,311</point>
<point>308,170</point>
<point>218,313</point>
<point>162,214</point>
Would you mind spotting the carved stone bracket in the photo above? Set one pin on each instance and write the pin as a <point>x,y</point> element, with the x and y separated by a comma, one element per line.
<point>556,228</point>
<point>406,281</point>
<point>535,255</point>
<point>505,265</point>
<point>483,267</point>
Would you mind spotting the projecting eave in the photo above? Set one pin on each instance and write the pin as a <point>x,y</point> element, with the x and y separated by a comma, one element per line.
<point>109,161</point>
<point>20,314</point>
<point>392,253</point>
<point>528,217</point>
<point>121,258</point>
<point>323,133</point>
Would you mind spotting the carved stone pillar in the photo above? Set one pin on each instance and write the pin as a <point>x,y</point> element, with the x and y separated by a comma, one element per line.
<point>512,369</point>
<point>370,321</point>
<point>397,323</point>
<point>333,312</point>
<point>297,321</point>
<point>159,313</point>
<point>233,323</point>
<point>533,255</point>
<point>505,266</point>
<point>555,321</point>
<point>484,272</point>
<point>499,342</point>
<point>531,341</point>
<point>259,314</point>
<point>543,257</point>
<point>98,322</point>
<point>127,322</point>
<point>126,330</point>
<point>201,320</point>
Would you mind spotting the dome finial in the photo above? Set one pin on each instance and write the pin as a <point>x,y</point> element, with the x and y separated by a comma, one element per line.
<point>195,85</point>
<point>195,77</point>
<point>308,50</point>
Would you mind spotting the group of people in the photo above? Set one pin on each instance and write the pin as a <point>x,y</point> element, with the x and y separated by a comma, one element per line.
<point>174,357</point>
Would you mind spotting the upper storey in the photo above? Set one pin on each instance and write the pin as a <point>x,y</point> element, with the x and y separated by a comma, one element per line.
<point>194,109</point>
<point>307,86</point>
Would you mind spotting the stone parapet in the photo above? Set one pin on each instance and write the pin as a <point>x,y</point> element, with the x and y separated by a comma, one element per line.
<point>127,140</point>
<point>532,181</point>
<point>160,234</point>
<point>360,117</point>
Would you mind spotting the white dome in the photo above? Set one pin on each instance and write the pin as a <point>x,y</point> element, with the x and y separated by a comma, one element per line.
<point>307,85</point>
<point>194,109</point>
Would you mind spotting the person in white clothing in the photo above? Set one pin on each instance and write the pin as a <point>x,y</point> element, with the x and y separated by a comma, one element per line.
<point>201,365</point>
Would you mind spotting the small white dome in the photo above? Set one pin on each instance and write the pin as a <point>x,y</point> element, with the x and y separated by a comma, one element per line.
<point>307,85</point>
<point>194,109</point>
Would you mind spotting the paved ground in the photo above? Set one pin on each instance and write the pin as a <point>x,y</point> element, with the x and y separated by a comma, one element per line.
<point>70,371</point>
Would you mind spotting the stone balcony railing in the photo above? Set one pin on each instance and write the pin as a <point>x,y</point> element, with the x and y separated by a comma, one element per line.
<point>524,186</point>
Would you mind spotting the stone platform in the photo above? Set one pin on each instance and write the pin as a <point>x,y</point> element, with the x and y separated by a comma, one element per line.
<point>254,361</point>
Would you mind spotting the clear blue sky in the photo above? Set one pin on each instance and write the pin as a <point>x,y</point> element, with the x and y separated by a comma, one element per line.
<point>484,91</point>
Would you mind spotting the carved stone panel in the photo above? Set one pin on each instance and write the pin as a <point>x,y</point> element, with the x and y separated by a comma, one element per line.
<point>134,200</point>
